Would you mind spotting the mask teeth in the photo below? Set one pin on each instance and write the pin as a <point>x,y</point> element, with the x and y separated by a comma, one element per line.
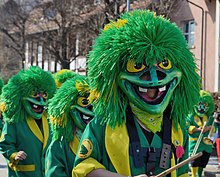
<point>162,88</point>
<point>143,89</point>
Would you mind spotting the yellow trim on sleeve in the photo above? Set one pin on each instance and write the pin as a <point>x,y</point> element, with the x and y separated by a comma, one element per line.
<point>12,160</point>
<point>85,167</point>
<point>22,167</point>
<point>13,164</point>
<point>191,128</point>
<point>193,139</point>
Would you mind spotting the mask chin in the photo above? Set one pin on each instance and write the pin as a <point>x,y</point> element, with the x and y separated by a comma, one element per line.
<point>34,113</point>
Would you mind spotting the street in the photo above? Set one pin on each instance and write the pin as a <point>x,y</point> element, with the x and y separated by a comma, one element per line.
<point>3,167</point>
<point>210,170</point>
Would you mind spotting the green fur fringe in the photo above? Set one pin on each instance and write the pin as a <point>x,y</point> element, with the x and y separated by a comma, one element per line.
<point>60,105</point>
<point>62,76</point>
<point>147,38</point>
<point>21,85</point>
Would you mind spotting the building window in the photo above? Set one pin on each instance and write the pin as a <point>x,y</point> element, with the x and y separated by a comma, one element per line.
<point>97,2</point>
<point>189,32</point>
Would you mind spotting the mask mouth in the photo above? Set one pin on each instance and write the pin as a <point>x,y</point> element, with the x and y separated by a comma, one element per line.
<point>153,95</point>
<point>200,110</point>
<point>39,109</point>
<point>86,118</point>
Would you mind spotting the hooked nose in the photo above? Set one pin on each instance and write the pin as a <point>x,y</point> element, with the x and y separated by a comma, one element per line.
<point>40,98</point>
<point>153,75</point>
<point>89,107</point>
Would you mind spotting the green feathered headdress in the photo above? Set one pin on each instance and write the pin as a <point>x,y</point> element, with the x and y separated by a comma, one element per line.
<point>60,106</point>
<point>21,85</point>
<point>147,38</point>
<point>62,76</point>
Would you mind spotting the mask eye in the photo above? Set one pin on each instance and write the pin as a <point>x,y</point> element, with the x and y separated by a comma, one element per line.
<point>134,67</point>
<point>34,94</point>
<point>45,95</point>
<point>206,104</point>
<point>83,101</point>
<point>165,64</point>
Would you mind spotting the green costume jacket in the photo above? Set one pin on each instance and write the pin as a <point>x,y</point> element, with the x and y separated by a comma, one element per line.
<point>25,136</point>
<point>107,148</point>
<point>60,158</point>
<point>193,121</point>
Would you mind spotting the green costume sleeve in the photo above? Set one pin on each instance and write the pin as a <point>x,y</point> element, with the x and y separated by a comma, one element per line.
<point>55,161</point>
<point>8,141</point>
<point>89,151</point>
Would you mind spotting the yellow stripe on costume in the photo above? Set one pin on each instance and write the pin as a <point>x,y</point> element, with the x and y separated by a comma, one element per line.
<point>117,141</point>
<point>35,129</point>
<point>74,144</point>
<point>46,130</point>
<point>22,167</point>
<point>85,167</point>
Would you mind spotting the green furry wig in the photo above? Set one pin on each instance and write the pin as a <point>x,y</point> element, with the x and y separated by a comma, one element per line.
<point>147,38</point>
<point>62,76</point>
<point>206,97</point>
<point>60,106</point>
<point>22,85</point>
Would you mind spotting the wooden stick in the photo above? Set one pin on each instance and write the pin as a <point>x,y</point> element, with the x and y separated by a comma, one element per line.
<point>164,173</point>
<point>198,140</point>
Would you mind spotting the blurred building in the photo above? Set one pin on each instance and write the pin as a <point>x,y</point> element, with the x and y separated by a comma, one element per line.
<point>198,19</point>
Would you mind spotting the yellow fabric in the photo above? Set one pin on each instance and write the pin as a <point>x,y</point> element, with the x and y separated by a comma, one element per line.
<point>177,135</point>
<point>12,160</point>
<point>172,163</point>
<point>190,129</point>
<point>35,129</point>
<point>90,163</point>
<point>194,171</point>
<point>46,130</point>
<point>22,167</point>
<point>184,175</point>
<point>150,121</point>
<point>115,138</point>
<point>200,122</point>
<point>193,139</point>
<point>13,164</point>
<point>74,144</point>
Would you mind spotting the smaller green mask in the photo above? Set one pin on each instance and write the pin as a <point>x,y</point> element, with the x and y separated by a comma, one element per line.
<point>35,104</point>
<point>82,112</point>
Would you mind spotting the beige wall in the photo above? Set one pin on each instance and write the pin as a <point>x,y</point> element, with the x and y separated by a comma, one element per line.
<point>188,11</point>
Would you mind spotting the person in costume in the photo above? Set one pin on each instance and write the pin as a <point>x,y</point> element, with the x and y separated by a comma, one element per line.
<point>201,121</point>
<point>69,111</point>
<point>144,80</point>
<point>26,135</point>
<point>62,76</point>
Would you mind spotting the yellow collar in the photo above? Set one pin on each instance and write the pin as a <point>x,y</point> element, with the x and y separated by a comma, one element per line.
<point>36,131</point>
<point>74,144</point>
